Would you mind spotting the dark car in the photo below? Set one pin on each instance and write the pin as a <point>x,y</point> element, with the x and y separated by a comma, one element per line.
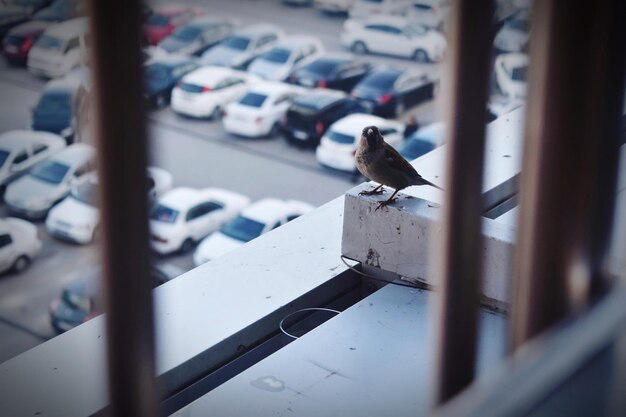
<point>423,141</point>
<point>61,10</point>
<point>80,300</point>
<point>197,36</point>
<point>17,43</point>
<point>11,16</point>
<point>338,73</point>
<point>389,92</point>
<point>61,108</point>
<point>28,6</point>
<point>310,115</point>
<point>162,75</point>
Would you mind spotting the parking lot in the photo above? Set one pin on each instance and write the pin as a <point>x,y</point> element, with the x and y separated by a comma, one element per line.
<point>198,153</point>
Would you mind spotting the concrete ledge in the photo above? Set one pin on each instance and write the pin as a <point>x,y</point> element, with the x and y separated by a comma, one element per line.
<point>400,237</point>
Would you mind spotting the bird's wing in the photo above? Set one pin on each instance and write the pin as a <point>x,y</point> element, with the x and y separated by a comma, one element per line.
<point>397,161</point>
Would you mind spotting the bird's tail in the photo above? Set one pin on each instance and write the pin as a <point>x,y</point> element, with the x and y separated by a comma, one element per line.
<point>422,181</point>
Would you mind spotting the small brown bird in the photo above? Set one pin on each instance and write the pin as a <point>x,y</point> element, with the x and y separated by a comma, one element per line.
<point>381,163</point>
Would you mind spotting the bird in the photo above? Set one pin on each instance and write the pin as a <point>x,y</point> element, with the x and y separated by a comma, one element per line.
<point>380,162</point>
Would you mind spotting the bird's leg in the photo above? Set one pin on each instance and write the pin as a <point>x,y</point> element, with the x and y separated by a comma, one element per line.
<point>388,201</point>
<point>377,190</point>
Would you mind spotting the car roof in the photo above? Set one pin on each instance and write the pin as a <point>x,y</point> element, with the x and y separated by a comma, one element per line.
<point>354,123</point>
<point>69,85</point>
<point>16,139</point>
<point>257,29</point>
<point>297,41</point>
<point>266,210</point>
<point>319,99</point>
<point>208,73</point>
<point>271,88</point>
<point>69,28</point>
<point>73,154</point>
<point>30,27</point>
<point>172,60</point>
<point>386,19</point>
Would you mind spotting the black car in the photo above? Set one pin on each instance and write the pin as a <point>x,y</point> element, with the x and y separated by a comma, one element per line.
<point>339,73</point>
<point>310,115</point>
<point>389,92</point>
<point>196,37</point>
<point>162,75</point>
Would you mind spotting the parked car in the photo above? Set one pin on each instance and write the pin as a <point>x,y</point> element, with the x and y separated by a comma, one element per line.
<point>260,111</point>
<point>338,145</point>
<point>19,244</point>
<point>77,217</point>
<point>286,56</point>
<point>60,10</point>
<point>424,140</point>
<point>184,216</point>
<point>197,36</point>
<point>166,19</point>
<point>297,2</point>
<point>161,75</point>
<point>17,43</point>
<point>11,16</point>
<point>333,6</point>
<point>27,6</point>
<point>390,92</point>
<point>310,115</point>
<point>365,8</point>
<point>429,13</point>
<point>21,149</point>
<point>393,36</point>
<point>257,219</point>
<point>62,107</point>
<point>81,300</point>
<point>58,49</point>
<point>514,34</point>
<point>245,44</point>
<point>511,72</point>
<point>339,72</point>
<point>48,182</point>
<point>206,91</point>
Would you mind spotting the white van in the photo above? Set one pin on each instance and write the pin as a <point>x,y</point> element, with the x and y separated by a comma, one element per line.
<point>58,49</point>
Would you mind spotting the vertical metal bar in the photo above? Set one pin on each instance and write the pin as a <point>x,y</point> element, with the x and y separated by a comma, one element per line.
<point>458,296</point>
<point>576,85</point>
<point>121,139</point>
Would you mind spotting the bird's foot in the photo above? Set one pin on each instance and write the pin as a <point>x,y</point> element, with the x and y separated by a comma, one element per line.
<point>375,191</point>
<point>386,203</point>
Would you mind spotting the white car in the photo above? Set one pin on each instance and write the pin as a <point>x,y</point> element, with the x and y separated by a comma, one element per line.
<point>338,145</point>
<point>243,46</point>
<point>48,182</point>
<point>366,8</point>
<point>333,6</point>
<point>19,244</point>
<point>429,13</point>
<point>286,56</point>
<point>255,220</point>
<point>57,50</point>
<point>184,216</point>
<point>513,36</point>
<point>394,36</point>
<point>260,111</point>
<point>511,75</point>
<point>206,91</point>
<point>21,149</point>
<point>77,217</point>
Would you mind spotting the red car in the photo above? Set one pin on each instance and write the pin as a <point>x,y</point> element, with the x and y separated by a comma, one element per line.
<point>20,39</point>
<point>165,20</point>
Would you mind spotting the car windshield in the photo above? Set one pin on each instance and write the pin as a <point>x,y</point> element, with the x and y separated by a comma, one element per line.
<point>243,229</point>
<point>191,88</point>
<point>381,80</point>
<point>50,171</point>
<point>87,193</point>
<point>415,30</point>
<point>253,99</point>
<point>277,55</point>
<point>238,43</point>
<point>50,42</point>
<point>163,214</point>
<point>519,73</point>
<point>187,33</point>
<point>518,24</point>
<point>54,102</point>
<point>322,66</point>
<point>76,301</point>
<point>3,157</point>
<point>340,137</point>
<point>158,20</point>
<point>157,73</point>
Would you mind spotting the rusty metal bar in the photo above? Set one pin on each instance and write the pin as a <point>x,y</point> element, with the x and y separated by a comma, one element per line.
<point>121,140</point>
<point>458,296</point>
<point>576,86</point>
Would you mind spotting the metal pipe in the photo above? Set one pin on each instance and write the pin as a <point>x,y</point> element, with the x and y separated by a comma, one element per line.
<point>121,140</point>
<point>458,296</point>
<point>576,85</point>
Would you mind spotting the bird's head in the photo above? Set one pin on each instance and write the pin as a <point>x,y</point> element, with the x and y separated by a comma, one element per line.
<point>373,137</point>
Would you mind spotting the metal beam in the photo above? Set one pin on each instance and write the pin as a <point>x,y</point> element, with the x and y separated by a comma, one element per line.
<point>576,86</point>
<point>121,140</point>
<point>458,300</point>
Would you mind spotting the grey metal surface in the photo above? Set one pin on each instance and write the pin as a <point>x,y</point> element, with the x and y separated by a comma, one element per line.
<point>374,359</point>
